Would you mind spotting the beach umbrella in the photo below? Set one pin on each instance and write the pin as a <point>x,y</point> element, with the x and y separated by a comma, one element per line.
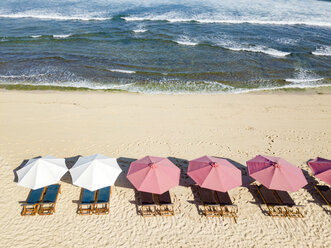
<point>276,173</point>
<point>41,172</point>
<point>214,173</point>
<point>321,169</point>
<point>95,172</point>
<point>153,174</point>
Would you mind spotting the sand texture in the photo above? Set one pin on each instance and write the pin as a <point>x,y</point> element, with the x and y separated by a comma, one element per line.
<point>126,126</point>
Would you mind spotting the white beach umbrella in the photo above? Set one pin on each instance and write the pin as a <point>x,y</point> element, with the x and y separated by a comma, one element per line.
<point>95,172</point>
<point>41,172</point>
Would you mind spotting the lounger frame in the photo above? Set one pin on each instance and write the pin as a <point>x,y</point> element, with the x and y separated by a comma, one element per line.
<point>101,208</point>
<point>227,210</point>
<point>280,209</point>
<point>32,209</point>
<point>148,209</point>
<point>49,207</point>
<point>86,208</point>
<point>210,209</point>
<point>166,208</point>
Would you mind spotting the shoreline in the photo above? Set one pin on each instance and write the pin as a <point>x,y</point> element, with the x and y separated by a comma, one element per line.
<point>320,89</point>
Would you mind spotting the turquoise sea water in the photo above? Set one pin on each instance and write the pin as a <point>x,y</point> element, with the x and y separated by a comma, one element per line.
<point>166,46</point>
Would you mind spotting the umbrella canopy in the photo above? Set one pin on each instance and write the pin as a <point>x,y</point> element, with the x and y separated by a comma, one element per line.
<point>321,168</point>
<point>214,173</point>
<point>276,173</point>
<point>41,172</point>
<point>153,174</point>
<point>95,172</point>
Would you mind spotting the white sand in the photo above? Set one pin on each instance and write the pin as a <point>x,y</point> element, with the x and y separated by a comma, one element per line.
<point>296,127</point>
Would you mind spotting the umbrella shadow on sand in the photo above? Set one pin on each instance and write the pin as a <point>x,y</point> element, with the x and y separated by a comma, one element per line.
<point>196,199</point>
<point>182,164</point>
<point>122,181</point>
<point>312,191</point>
<point>24,162</point>
<point>137,202</point>
<point>66,178</point>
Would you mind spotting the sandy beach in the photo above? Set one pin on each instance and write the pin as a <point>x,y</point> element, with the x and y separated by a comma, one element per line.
<point>128,126</point>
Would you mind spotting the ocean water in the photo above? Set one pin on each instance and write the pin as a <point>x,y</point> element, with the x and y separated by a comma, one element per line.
<point>168,46</point>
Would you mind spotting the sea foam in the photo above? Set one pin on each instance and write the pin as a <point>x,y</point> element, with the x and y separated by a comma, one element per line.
<point>323,51</point>
<point>186,41</point>
<point>61,36</point>
<point>261,49</point>
<point>121,71</point>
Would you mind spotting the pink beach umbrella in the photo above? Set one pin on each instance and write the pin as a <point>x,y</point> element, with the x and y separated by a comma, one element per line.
<point>276,173</point>
<point>321,168</point>
<point>214,173</point>
<point>153,174</point>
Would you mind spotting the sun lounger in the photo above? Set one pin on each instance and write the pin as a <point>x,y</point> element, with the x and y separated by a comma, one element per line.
<point>227,209</point>
<point>325,193</point>
<point>32,204</point>
<point>279,203</point>
<point>270,200</point>
<point>102,204</point>
<point>211,207</point>
<point>47,205</point>
<point>148,206</point>
<point>166,205</point>
<point>291,209</point>
<point>86,207</point>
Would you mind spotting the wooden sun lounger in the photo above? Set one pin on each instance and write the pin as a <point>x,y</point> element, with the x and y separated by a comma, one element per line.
<point>291,209</point>
<point>279,203</point>
<point>166,205</point>
<point>102,204</point>
<point>32,204</point>
<point>47,206</point>
<point>211,207</point>
<point>270,200</point>
<point>86,207</point>
<point>148,206</point>
<point>227,209</point>
<point>325,193</point>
